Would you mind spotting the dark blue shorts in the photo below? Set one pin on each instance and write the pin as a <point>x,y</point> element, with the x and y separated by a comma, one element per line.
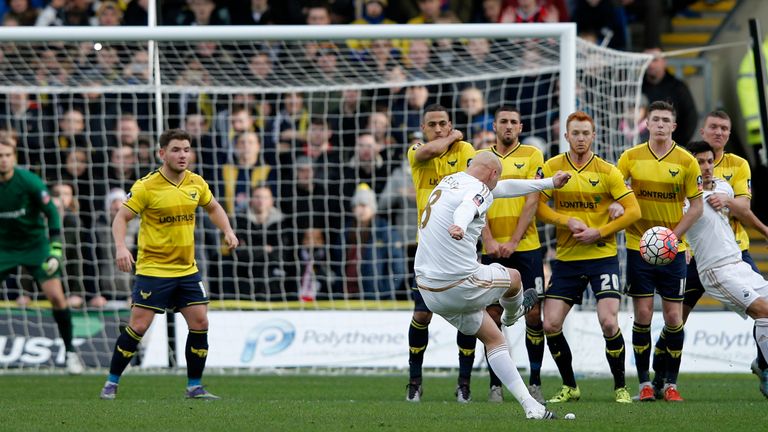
<point>418,301</point>
<point>530,264</point>
<point>159,293</point>
<point>570,279</point>
<point>643,279</point>
<point>693,287</point>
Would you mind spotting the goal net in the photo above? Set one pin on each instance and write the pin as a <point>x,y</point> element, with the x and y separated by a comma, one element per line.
<point>306,122</point>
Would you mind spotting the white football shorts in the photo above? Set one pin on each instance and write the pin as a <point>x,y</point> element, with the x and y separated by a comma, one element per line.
<point>462,302</point>
<point>736,285</point>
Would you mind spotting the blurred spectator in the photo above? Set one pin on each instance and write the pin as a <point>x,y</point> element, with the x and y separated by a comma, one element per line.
<point>326,62</point>
<point>318,13</point>
<point>349,120</point>
<point>382,56</point>
<point>240,122</point>
<point>429,12</point>
<point>418,59</point>
<point>203,12</point>
<point>68,13</point>
<point>63,196</point>
<point>203,143</point>
<point>127,131</point>
<point>109,14</point>
<point>326,158</point>
<point>306,202</point>
<point>260,68</point>
<point>380,126</point>
<point>71,134</point>
<point>397,202</point>
<point>310,276</point>
<point>136,13</point>
<point>528,11</point>
<point>78,172</point>
<point>483,140</point>
<point>407,119</point>
<point>366,166</point>
<point>556,10</point>
<point>373,257</point>
<point>473,116</point>
<point>635,130</point>
<point>604,18</point>
<point>239,179</point>
<point>123,168</point>
<point>137,71</point>
<point>114,285</point>
<point>22,11</point>
<point>491,12</point>
<point>660,85</point>
<point>372,12</point>
<point>291,123</point>
<point>24,116</point>
<point>259,13</point>
<point>258,258</point>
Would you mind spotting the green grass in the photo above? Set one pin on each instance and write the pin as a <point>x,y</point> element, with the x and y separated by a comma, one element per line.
<point>359,403</point>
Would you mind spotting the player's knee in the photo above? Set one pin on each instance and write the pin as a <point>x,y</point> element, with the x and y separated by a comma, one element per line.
<point>514,278</point>
<point>552,326</point>
<point>609,325</point>
<point>422,317</point>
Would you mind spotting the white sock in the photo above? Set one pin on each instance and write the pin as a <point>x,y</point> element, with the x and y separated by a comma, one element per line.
<point>510,304</point>
<point>761,335</point>
<point>504,367</point>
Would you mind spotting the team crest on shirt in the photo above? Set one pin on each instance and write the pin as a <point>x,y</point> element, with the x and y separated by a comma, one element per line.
<point>520,166</point>
<point>539,173</point>
<point>45,197</point>
<point>674,172</point>
<point>193,194</point>
<point>453,162</point>
<point>593,182</point>
<point>727,177</point>
<point>478,200</point>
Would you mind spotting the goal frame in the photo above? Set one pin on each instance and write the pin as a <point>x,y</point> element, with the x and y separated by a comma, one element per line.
<point>565,32</point>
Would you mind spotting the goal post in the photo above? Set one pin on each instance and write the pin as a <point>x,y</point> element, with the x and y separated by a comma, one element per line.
<point>87,106</point>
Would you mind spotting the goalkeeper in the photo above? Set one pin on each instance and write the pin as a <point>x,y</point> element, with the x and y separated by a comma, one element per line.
<point>24,200</point>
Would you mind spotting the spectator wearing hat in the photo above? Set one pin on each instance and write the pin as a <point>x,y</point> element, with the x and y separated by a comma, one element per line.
<point>373,258</point>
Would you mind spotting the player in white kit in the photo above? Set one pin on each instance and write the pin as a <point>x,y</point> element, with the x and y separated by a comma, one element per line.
<point>723,273</point>
<point>452,282</point>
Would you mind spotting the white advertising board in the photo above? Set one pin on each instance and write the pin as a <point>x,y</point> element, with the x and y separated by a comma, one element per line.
<point>715,341</point>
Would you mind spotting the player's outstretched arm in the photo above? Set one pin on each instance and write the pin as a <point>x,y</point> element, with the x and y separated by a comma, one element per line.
<point>221,220</point>
<point>518,187</point>
<point>123,257</point>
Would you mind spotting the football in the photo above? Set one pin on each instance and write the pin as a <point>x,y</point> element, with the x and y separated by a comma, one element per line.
<point>658,246</point>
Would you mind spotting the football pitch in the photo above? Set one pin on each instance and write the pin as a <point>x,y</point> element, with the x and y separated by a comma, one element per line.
<point>360,403</point>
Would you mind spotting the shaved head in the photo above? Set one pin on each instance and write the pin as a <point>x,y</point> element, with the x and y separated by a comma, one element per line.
<point>486,167</point>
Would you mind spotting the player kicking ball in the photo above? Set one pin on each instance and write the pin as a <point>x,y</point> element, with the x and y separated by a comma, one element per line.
<point>723,273</point>
<point>458,288</point>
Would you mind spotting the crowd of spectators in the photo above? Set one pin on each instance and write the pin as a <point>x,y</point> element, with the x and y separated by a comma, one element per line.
<point>316,183</point>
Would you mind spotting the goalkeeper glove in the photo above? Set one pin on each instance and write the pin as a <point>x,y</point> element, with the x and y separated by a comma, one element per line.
<point>53,261</point>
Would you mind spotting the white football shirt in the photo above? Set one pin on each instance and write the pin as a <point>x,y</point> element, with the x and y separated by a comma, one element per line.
<point>458,198</point>
<point>439,257</point>
<point>711,236</point>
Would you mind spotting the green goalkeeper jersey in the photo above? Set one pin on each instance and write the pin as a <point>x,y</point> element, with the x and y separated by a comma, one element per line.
<point>24,207</point>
